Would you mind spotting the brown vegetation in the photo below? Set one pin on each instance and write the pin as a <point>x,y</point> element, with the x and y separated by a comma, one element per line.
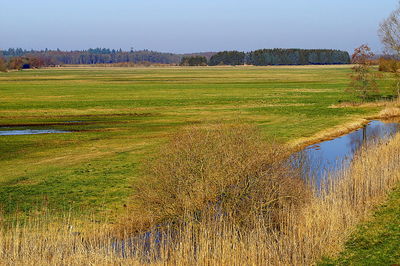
<point>18,63</point>
<point>388,65</point>
<point>392,104</point>
<point>390,112</point>
<point>222,171</point>
<point>3,66</point>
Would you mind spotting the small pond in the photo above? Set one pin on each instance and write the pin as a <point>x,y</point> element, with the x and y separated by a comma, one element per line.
<point>8,132</point>
<point>337,153</point>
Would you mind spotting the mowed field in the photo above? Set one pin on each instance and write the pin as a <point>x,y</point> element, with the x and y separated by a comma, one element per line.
<point>121,115</point>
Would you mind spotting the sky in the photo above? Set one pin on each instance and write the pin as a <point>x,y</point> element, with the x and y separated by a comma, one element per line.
<point>183,26</point>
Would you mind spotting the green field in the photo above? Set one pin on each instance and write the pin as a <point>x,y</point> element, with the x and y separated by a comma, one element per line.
<point>376,241</point>
<point>128,112</point>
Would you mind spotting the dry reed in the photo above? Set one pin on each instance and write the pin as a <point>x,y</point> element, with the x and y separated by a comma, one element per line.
<point>390,112</point>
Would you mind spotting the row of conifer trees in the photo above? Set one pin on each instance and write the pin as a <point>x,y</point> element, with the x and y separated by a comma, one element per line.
<point>267,57</point>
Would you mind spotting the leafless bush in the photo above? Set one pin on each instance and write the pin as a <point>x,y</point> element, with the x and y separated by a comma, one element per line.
<point>227,171</point>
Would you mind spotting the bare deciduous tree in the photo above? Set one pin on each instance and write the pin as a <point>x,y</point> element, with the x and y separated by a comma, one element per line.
<point>389,32</point>
<point>363,80</point>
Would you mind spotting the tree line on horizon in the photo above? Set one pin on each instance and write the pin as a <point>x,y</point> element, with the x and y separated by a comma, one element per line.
<point>90,56</point>
<point>20,58</point>
<point>266,57</point>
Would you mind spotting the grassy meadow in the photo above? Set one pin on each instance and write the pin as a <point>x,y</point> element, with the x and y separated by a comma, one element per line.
<point>121,115</point>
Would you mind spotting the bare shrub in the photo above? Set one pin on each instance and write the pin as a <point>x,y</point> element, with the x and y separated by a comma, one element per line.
<point>227,171</point>
<point>388,65</point>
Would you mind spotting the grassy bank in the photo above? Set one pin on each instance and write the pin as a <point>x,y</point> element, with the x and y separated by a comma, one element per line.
<point>302,236</point>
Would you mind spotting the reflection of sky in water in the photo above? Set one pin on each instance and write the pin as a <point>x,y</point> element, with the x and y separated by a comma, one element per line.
<point>337,153</point>
<point>30,132</point>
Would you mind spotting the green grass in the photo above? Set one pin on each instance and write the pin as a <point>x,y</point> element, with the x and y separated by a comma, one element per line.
<point>130,111</point>
<point>376,242</point>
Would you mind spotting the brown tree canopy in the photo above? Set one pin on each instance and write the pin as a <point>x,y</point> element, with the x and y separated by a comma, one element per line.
<point>362,55</point>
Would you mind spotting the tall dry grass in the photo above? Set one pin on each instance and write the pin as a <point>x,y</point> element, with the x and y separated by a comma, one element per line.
<point>318,228</point>
<point>390,112</point>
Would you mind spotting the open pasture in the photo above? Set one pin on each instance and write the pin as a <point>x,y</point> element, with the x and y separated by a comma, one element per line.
<point>119,115</point>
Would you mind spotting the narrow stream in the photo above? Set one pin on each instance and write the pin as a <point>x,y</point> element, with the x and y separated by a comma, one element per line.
<point>335,154</point>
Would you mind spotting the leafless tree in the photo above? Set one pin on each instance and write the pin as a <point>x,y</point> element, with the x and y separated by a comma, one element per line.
<point>389,32</point>
<point>363,79</point>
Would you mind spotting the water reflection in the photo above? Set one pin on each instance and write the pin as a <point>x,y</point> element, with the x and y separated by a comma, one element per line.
<point>335,154</point>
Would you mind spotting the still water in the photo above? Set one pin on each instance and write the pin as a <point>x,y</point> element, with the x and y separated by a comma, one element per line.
<point>334,154</point>
<point>30,132</point>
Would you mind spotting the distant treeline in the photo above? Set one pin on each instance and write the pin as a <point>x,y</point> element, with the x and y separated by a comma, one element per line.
<point>268,57</point>
<point>96,56</point>
<point>297,57</point>
<point>194,61</point>
<point>20,58</point>
<point>228,58</point>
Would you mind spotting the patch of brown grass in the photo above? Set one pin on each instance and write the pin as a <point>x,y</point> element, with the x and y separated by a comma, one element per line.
<point>390,112</point>
<point>47,240</point>
<point>382,103</point>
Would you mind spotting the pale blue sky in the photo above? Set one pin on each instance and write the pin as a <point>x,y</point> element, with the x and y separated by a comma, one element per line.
<point>192,26</point>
